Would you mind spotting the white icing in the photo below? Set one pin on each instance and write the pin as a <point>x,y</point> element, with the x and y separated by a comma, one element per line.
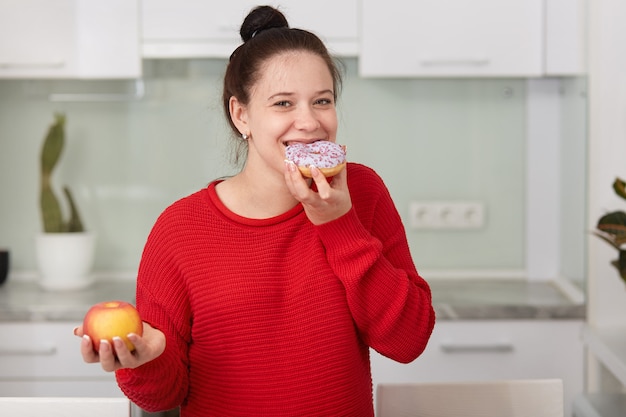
<point>321,154</point>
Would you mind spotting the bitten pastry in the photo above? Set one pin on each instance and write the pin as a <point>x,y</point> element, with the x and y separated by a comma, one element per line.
<point>328,157</point>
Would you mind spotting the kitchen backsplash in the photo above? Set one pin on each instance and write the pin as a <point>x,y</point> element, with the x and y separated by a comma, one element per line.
<point>430,140</point>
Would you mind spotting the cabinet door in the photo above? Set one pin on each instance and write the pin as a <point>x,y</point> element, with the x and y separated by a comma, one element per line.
<point>107,39</point>
<point>43,350</point>
<point>565,37</point>
<point>69,39</point>
<point>35,36</point>
<point>43,359</point>
<point>446,38</point>
<point>335,22</point>
<point>492,350</point>
<point>196,28</point>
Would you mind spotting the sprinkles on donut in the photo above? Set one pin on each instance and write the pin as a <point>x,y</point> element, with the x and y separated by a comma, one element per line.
<point>328,157</point>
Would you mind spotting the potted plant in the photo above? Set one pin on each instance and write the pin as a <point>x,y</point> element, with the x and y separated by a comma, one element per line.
<point>612,229</point>
<point>65,251</point>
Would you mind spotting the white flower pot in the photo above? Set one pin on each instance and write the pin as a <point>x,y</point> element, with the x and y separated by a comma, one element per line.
<point>65,260</point>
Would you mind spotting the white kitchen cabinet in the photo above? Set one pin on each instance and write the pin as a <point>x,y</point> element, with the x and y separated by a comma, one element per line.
<point>565,38</point>
<point>203,29</point>
<point>449,38</point>
<point>492,350</point>
<point>69,39</point>
<point>43,359</point>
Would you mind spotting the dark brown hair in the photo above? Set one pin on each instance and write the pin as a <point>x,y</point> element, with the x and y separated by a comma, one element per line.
<point>265,33</point>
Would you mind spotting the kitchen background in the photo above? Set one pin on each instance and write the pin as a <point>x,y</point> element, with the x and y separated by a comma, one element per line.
<point>449,140</point>
<point>525,119</point>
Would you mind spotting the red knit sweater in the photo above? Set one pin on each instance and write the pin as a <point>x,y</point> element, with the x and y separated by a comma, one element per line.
<point>275,317</point>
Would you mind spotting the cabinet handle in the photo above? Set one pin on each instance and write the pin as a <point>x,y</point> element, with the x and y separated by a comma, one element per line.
<point>138,94</point>
<point>497,347</point>
<point>472,62</point>
<point>33,65</point>
<point>45,350</point>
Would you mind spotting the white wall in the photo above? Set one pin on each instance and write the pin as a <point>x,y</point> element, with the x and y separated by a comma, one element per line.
<point>607,153</point>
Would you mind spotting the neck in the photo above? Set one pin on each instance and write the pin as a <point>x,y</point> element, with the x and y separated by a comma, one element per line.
<point>252,196</point>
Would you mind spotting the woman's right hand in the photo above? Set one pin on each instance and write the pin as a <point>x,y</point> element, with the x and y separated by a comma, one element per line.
<point>147,347</point>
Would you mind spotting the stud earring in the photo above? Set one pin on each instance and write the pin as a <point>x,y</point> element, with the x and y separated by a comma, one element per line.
<point>244,136</point>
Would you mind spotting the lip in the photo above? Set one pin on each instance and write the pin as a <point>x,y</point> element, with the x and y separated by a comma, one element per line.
<point>303,142</point>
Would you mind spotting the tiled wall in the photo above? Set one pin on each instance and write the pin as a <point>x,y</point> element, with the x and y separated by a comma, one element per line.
<point>430,139</point>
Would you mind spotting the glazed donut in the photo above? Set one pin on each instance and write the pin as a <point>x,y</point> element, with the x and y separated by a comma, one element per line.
<point>326,156</point>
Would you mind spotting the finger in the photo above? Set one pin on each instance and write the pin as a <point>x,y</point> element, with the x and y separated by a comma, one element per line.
<point>78,331</point>
<point>290,169</point>
<point>124,356</point>
<point>323,187</point>
<point>297,184</point>
<point>150,345</point>
<point>139,342</point>
<point>107,358</point>
<point>87,350</point>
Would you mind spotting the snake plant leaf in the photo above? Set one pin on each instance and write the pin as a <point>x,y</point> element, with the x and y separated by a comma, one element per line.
<point>53,145</point>
<point>620,187</point>
<point>50,211</point>
<point>74,223</point>
<point>51,149</point>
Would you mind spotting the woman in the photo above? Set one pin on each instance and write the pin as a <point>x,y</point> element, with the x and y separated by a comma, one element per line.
<point>262,293</point>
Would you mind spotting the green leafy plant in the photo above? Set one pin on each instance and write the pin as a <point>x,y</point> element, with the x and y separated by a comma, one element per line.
<point>52,215</point>
<point>612,229</point>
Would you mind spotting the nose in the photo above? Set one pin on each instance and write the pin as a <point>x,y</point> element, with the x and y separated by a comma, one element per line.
<point>306,119</point>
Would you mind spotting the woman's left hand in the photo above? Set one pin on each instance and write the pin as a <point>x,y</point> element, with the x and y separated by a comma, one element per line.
<point>332,199</point>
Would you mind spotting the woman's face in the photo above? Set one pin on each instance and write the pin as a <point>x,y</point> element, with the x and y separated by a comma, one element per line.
<point>293,101</point>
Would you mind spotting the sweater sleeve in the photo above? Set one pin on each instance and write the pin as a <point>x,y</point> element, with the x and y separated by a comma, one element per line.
<point>161,301</point>
<point>368,250</point>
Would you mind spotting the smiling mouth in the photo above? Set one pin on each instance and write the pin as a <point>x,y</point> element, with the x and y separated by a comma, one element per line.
<point>296,142</point>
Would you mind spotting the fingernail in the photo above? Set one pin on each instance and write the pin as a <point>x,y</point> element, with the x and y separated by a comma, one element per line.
<point>104,345</point>
<point>117,341</point>
<point>291,166</point>
<point>75,330</point>
<point>314,170</point>
<point>86,338</point>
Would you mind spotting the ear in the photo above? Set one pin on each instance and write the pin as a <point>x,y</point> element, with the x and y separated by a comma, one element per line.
<point>239,115</point>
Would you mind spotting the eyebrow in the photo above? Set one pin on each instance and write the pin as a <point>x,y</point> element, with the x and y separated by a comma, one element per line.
<point>273,96</point>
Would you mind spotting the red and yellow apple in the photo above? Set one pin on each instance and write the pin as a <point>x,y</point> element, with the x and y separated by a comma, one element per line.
<point>110,319</point>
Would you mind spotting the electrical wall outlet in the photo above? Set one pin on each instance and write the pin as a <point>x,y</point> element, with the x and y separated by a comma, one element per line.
<point>448,215</point>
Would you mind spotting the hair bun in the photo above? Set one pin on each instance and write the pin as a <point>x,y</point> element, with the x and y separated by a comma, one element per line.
<point>259,19</point>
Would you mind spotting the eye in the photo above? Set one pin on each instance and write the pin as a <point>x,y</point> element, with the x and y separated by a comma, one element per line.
<point>283,103</point>
<point>324,101</point>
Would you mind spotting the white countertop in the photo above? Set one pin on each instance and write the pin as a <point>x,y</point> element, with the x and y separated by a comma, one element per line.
<point>453,300</point>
